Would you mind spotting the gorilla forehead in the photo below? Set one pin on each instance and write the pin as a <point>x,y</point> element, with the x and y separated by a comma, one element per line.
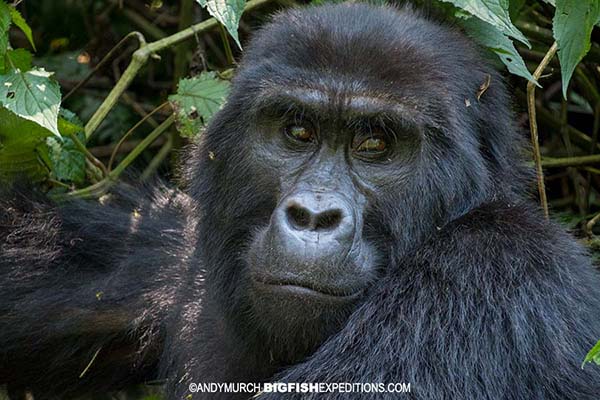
<point>351,49</point>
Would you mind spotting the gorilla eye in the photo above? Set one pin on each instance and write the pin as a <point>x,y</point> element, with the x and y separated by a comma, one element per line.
<point>372,145</point>
<point>302,133</point>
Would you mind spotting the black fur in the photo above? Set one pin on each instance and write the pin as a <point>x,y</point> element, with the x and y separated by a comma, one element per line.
<point>476,297</point>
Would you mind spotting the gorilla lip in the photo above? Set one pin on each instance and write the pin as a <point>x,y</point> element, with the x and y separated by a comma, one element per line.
<point>304,290</point>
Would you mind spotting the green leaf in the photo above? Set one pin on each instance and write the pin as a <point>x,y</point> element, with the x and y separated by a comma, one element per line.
<point>227,12</point>
<point>572,27</point>
<point>19,21</point>
<point>21,148</point>
<point>593,355</point>
<point>4,25</point>
<point>67,115</point>
<point>19,58</point>
<point>494,12</point>
<point>32,95</point>
<point>197,100</point>
<point>491,37</point>
<point>67,161</point>
<point>27,149</point>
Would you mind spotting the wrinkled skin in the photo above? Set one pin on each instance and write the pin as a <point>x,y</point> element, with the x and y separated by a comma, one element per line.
<point>359,222</point>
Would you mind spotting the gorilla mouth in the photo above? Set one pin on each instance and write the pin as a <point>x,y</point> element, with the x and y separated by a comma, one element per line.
<point>304,289</point>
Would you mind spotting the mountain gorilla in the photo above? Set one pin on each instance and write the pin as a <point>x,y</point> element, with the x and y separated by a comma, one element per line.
<point>355,213</point>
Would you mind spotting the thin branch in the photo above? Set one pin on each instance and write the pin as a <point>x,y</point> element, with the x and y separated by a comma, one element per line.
<point>162,154</point>
<point>105,59</point>
<point>89,155</point>
<point>148,27</point>
<point>590,225</point>
<point>106,150</point>
<point>534,129</point>
<point>570,161</point>
<point>186,13</point>
<point>142,146</point>
<point>226,45</point>
<point>130,131</point>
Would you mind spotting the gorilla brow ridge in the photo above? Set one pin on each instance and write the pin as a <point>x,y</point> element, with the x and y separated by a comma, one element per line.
<point>355,107</point>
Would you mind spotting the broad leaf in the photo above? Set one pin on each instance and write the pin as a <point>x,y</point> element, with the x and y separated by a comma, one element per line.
<point>494,12</point>
<point>227,12</point>
<point>499,43</point>
<point>19,21</point>
<point>27,149</point>
<point>572,27</point>
<point>197,100</point>
<point>32,95</point>
<point>67,161</point>
<point>19,59</point>
<point>4,25</point>
<point>75,124</point>
<point>21,142</point>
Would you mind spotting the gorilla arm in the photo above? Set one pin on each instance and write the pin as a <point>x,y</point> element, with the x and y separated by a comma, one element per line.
<point>85,287</point>
<point>497,302</point>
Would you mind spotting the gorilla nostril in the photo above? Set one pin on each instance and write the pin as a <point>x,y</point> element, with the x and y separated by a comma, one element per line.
<point>298,217</point>
<point>328,220</point>
<point>301,218</point>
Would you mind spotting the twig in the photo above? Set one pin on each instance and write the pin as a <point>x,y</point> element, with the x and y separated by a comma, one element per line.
<point>181,51</point>
<point>142,146</point>
<point>130,101</point>
<point>548,119</point>
<point>148,27</point>
<point>158,159</point>
<point>106,150</point>
<point>226,45</point>
<point>97,163</point>
<point>590,225</point>
<point>534,129</point>
<point>130,131</point>
<point>90,363</point>
<point>105,59</point>
<point>570,161</point>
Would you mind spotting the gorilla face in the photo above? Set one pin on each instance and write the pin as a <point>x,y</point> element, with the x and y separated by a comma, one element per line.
<point>336,149</point>
<point>314,256</point>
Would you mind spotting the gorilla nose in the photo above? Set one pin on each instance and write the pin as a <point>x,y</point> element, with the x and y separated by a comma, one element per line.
<point>302,218</point>
<point>310,213</point>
